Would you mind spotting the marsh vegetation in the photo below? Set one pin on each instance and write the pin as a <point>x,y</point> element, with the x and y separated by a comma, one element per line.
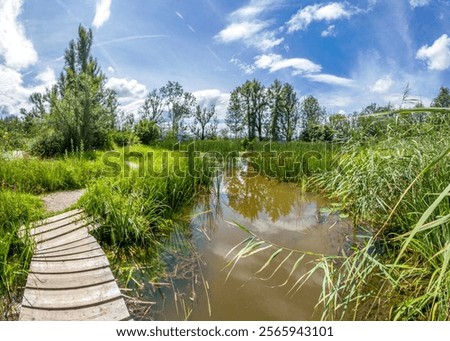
<point>153,180</point>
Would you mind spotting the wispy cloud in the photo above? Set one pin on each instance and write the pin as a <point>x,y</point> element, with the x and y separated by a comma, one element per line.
<point>275,62</point>
<point>246,25</point>
<point>248,69</point>
<point>319,12</point>
<point>437,56</point>
<point>102,12</point>
<point>179,15</point>
<point>419,3</point>
<point>16,49</point>
<point>329,32</point>
<point>191,28</point>
<point>129,38</point>
<point>241,31</point>
<point>330,79</point>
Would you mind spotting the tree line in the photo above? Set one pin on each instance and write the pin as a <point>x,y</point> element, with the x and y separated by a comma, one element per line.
<point>79,112</point>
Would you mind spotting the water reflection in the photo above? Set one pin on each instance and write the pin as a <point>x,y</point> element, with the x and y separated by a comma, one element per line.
<point>278,212</point>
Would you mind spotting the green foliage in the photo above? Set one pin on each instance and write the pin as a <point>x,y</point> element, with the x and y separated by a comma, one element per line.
<point>41,176</point>
<point>15,253</point>
<point>81,109</point>
<point>147,131</point>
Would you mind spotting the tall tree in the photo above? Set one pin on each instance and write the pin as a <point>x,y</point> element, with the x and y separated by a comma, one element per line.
<point>81,109</point>
<point>179,105</point>
<point>153,107</point>
<point>249,101</point>
<point>290,115</point>
<point>205,122</point>
<point>275,103</point>
<point>312,115</point>
<point>235,117</point>
<point>442,100</point>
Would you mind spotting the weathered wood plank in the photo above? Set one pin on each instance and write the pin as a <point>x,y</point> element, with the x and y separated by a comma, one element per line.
<point>69,280</point>
<point>77,256</point>
<point>68,251</point>
<point>69,266</point>
<point>68,238</point>
<point>69,276</point>
<point>70,298</point>
<point>49,220</point>
<point>56,225</point>
<point>73,245</point>
<point>110,311</point>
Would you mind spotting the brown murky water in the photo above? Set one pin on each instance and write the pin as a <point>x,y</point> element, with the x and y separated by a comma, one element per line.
<point>279,213</point>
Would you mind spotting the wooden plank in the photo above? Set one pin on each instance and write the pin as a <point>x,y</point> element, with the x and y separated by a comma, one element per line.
<point>67,239</point>
<point>70,298</point>
<point>77,256</point>
<point>69,280</point>
<point>68,251</point>
<point>52,234</point>
<point>48,221</point>
<point>69,266</point>
<point>56,225</point>
<point>110,311</point>
<point>73,245</point>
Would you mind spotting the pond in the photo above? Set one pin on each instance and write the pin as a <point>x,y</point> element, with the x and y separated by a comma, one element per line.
<point>203,288</point>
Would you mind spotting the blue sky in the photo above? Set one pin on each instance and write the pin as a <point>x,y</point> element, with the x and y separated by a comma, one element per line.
<point>346,53</point>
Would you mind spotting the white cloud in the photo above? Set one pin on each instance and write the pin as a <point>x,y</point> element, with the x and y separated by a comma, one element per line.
<point>437,56</point>
<point>382,85</point>
<point>179,15</point>
<point>208,97</point>
<point>47,77</point>
<point>14,95</point>
<point>247,27</point>
<point>241,30</point>
<point>102,12</point>
<point>247,68</point>
<point>419,3</point>
<point>17,51</point>
<point>255,8</point>
<point>127,89</point>
<point>330,79</point>
<point>111,69</point>
<point>318,12</point>
<point>131,94</point>
<point>275,62</point>
<point>329,32</point>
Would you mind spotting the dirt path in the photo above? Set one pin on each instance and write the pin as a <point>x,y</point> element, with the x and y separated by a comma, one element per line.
<point>59,201</point>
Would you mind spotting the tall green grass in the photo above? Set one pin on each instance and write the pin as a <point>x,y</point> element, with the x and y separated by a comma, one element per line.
<point>40,176</point>
<point>15,253</point>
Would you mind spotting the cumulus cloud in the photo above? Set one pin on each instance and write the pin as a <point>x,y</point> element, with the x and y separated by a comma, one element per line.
<point>208,97</point>
<point>382,85</point>
<point>437,56</point>
<point>111,69</point>
<point>127,88</point>
<point>419,3</point>
<point>275,62</point>
<point>319,12</point>
<point>14,94</point>
<point>17,51</point>
<point>102,12</point>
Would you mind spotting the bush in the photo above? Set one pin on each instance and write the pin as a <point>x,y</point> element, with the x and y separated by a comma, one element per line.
<point>147,131</point>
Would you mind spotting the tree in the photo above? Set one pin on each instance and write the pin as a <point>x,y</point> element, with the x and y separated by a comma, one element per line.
<point>290,112</point>
<point>179,104</point>
<point>81,109</point>
<point>153,107</point>
<point>442,100</point>
<point>234,118</point>
<point>312,115</point>
<point>249,102</point>
<point>275,103</point>
<point>205,123</point>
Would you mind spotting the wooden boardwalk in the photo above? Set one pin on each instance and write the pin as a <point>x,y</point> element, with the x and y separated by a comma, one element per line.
<point>70,277</point>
